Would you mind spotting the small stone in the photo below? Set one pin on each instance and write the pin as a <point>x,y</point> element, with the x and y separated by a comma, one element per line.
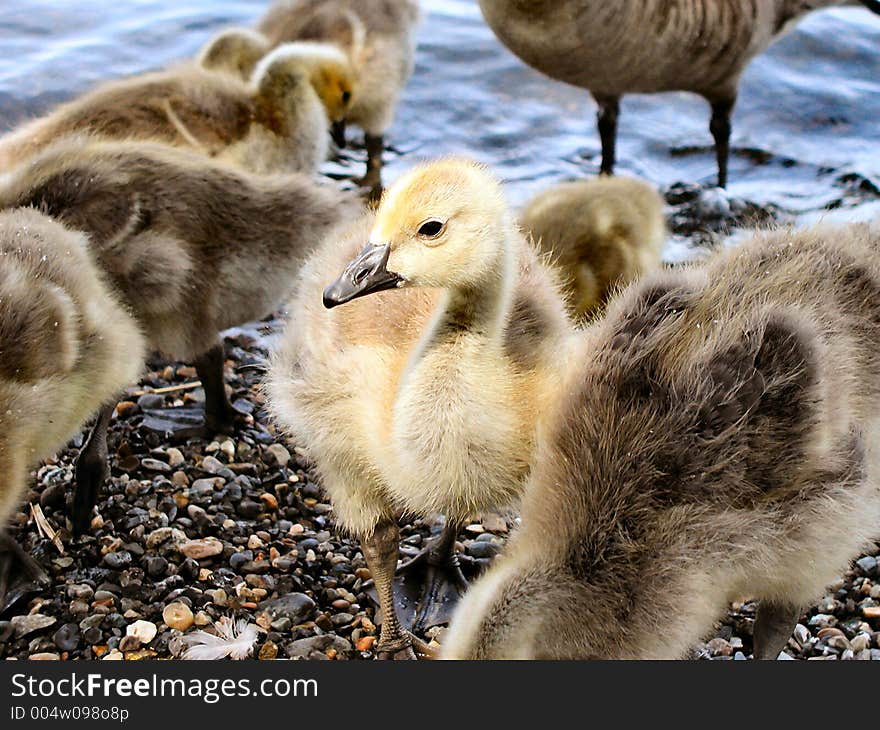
<point>269,650</point>
<point>30,623</point>
<point>365,643</point>
<point>67,637</point>
<point>156,566</point>
<point>129,643</point>
<point>297,607</point>
<point>151,401</point>
<point>143,631</point>
<point>44,656</point>
<point>868,564</point>
<point>175,457</point>
<point>270,501</point>
<point>157,537</point>
<point>802,634</point>
<point>112,656</point>
<point>155,465</point>
<point>249,509</point>
<point>341,619</point>
<point>318,647</point>
<point>276,455</point>
<point>202,619</point>
<point>203,548</point>
<point>126,409</point>
<point>720,647</point>
<point>237,560</point>
<point>118,560</point>
<point>822,620</point>
<point>178,616</point>
<point>871,612</point>
<point>81,592</point>
<point>6,629</point>
<point>212,465</point>
<point>228,449</point>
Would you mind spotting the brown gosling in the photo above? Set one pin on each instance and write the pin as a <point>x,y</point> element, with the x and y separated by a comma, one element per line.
<point>191,245</point>
<point>716,439</point>
<point>277,122</point>
<point>429,398</point>
<point>67,344</point>
<point>234,50</point>
<point>601,233</point>
<point>649,46</point>
<point>379,38</point>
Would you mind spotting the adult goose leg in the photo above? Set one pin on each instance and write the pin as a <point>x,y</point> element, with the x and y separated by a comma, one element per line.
<point>609,110</point>
<point>720,127</point>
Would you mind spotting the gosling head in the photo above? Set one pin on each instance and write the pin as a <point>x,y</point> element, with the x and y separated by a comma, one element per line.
<point>444,225</point>
<point>327,68</point>
<point>235,50</point>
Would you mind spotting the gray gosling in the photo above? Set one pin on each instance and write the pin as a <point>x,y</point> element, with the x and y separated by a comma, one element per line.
<point>601,233</point>
<point>715,440</point>
<point>191,245</point>
<point>649,46</point>
<point>379,38</point>
<point>429,398</point>
<point>277,122</point>
<point>67,344</point>
<point>235,51</point>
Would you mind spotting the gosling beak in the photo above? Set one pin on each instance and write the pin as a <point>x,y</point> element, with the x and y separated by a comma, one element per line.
<point>337,132</point>
<point>872,5</point>
<point>368,273</point>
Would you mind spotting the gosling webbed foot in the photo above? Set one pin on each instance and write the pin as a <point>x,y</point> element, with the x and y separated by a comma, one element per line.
<point>407,647</point>
<point>428,586</point>
<point>20,574</point>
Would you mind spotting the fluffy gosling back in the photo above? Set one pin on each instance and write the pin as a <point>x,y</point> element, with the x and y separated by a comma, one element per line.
<point>602,234</point>
<point>716,440</point>
<point>235,51</point>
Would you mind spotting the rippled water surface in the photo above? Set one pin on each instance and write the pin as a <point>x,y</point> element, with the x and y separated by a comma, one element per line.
<point>806,131</point>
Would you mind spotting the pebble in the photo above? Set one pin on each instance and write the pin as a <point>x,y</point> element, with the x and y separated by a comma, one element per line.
<point>118,560</point>
<point>156,465</point>
<point>868,564</point>
<point>203,548</point>
<point>871,612</point>
<point>29,623</point>
<point>318,647</point>
<point>178,616</point>
<point>212,465</point>
<point>6,630</point>
<point>53,496</point>
<point>297,607</point>
<point>44,656</point>
<point>67,637</point>
<point>276,455</point>
<point>175,457</point>
<point>143,631</point>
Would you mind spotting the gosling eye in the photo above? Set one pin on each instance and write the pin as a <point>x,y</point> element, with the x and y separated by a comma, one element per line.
<point>431,228</point>
<point>346,97</point>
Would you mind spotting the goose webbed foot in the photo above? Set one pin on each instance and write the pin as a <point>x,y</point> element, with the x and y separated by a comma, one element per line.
<point>407,647</point>
<point>20,574</point>
<point>428,586</point>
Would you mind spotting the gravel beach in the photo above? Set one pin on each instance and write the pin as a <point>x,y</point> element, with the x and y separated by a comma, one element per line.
<point>194,530</point>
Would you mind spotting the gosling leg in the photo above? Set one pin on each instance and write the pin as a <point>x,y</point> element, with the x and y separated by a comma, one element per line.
<point>380,550</point>
<point>219,413</point>
<point>444,581</point>
<point>720,127</point>
<point>609,110</point>
<point>91,470</point>
<point>774,625</point>
<point>375,145</point>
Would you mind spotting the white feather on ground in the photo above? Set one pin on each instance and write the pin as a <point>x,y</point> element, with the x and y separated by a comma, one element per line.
<point>234,639</point>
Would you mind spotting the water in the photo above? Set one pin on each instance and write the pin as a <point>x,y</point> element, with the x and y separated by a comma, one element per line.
<point>806,135</point>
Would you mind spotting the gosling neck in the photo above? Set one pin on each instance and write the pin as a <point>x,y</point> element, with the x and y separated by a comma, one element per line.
<point>479,309</point>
